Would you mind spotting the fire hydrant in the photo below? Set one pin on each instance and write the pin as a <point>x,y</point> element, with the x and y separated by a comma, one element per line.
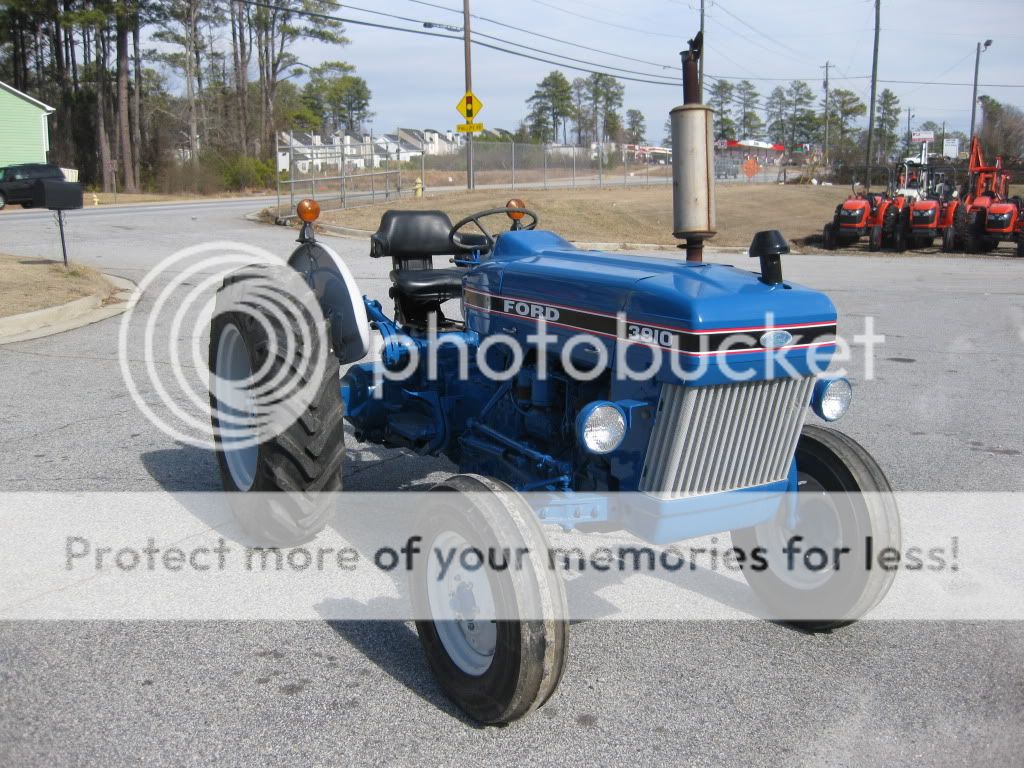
<point>418,187</point>
<point>95,199</point>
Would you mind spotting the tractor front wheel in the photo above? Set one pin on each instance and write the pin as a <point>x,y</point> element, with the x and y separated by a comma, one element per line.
<point>1020,246</point>
<point>276,408</point>
<point>828,237</point>
<point>844,507</point>
<point>875,238</point>
<point>495,636</point>
<point>900,238</point>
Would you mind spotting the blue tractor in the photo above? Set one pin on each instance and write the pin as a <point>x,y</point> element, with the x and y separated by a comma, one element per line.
<point>533,392</point>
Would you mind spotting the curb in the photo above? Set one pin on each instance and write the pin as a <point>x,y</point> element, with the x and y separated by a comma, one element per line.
<point>67,317</point>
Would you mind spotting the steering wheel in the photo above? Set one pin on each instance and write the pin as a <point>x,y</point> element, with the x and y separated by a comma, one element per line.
<point>466,242</point>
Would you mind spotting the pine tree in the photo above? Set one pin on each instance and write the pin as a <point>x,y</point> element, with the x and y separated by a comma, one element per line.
<point>749,124</point>
<point>636,127</point>
<point>720,99</point>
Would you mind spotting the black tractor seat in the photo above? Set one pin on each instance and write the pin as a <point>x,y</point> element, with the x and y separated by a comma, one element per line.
<point>428,285</point>
<point>411,239</point>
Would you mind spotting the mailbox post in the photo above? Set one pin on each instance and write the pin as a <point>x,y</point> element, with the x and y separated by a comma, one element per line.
<point>57,196</point>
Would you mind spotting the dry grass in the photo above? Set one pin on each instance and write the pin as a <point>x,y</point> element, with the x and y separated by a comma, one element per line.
<point>636,214</point>
<point>28,284</point>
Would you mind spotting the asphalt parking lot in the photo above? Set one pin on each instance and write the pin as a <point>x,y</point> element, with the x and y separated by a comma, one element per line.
<point>943,413</point>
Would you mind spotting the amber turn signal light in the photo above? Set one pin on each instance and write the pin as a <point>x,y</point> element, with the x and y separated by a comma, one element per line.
<point>515,202</point>
<point>308,210</point>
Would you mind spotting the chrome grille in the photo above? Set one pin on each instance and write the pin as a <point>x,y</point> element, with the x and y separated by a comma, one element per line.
<point>722,438</point>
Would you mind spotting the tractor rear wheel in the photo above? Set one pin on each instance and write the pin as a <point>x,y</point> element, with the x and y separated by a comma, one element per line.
<point>495,638</point>
<point>875,238</point>
<point>844,505</point>
<point>1020,246</point>
<point>949,240</point>
<point>275,403</point>
<point>828,237</point>
<point>900,239</point>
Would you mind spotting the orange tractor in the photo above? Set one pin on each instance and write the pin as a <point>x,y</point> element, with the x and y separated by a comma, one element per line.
<point>931,215</point>
<point>877,215</point>
<point>985,215</point>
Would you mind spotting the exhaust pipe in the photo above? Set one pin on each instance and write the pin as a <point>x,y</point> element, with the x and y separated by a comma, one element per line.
<point>693,161</point>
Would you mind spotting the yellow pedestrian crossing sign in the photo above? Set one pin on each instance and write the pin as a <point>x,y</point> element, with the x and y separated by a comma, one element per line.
<point>469,106</point>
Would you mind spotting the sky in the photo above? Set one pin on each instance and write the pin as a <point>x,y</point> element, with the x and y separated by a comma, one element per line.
<point>417,80</point>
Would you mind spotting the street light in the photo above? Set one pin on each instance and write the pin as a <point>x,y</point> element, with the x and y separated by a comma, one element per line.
<point>436,25</point>
<point>974,95</point>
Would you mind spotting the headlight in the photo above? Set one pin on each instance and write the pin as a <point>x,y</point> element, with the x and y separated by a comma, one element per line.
<point>601,427</point>
<point>831,398</point>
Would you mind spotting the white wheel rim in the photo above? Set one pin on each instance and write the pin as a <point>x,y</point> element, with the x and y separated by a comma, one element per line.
<point>239,444</point>
<point>774,535</point>
<point>461,605</point>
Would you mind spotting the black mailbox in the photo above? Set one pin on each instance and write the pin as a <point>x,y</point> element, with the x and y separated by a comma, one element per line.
<point>56,195</point>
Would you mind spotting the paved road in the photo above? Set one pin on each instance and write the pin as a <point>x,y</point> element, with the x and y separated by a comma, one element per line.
<point>943,414</point>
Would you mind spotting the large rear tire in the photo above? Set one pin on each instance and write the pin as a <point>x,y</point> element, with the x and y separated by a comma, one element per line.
<point>949,240</point>
<point>496,639</point>
<point>844,500</point>
<point>280,474</point>
<point>828,237</point>
<point>875,238</point>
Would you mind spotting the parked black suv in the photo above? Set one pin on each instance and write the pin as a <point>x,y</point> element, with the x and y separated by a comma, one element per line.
<point>16,182</point>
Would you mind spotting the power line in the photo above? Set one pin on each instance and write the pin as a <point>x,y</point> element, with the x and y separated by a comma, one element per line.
<point>570,58</point>
<point>426,23</point>
<point>602,21</point>
<point>364,23</point>
<point>968,85</point>
<point>532,33</point>
<point>772,40</point>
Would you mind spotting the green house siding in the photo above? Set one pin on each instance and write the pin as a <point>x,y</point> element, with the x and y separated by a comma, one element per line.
<point>24,134</point>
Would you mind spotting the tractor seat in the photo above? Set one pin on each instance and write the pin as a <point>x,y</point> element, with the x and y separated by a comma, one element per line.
<point>412,238</point>
<point>428,285</point>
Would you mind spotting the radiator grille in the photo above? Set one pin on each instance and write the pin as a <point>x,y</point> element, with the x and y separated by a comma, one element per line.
<point>722,438</point>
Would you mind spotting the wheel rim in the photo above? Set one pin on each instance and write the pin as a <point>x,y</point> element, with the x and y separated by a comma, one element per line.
<point>817,521</point>
<point>239,445</point>
<point>458,598</point>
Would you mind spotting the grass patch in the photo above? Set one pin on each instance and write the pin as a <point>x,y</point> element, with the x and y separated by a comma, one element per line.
<point>627,215</point>
<point>30,284</point>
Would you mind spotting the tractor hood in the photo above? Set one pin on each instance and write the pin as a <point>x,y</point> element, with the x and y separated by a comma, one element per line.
<point>695,309</point>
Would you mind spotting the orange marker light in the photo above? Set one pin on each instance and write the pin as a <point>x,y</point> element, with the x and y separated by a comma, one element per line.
<point>308,210</point>
<point>515,202</point>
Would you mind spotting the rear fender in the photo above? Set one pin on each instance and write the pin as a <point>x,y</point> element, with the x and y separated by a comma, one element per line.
<point>339,298</point>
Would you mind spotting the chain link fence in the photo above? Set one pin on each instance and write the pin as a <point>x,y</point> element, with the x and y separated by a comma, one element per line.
<point>343,175</point>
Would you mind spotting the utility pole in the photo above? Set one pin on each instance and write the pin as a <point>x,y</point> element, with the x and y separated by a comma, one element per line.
<point>909,142</point>
<point>874,86</point>
<point>470,175</point>
<point>826,68</point>
<point>974,94</point>
<point>700,61</point>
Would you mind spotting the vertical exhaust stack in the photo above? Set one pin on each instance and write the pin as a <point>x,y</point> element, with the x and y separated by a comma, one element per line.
<point>693,161</point>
